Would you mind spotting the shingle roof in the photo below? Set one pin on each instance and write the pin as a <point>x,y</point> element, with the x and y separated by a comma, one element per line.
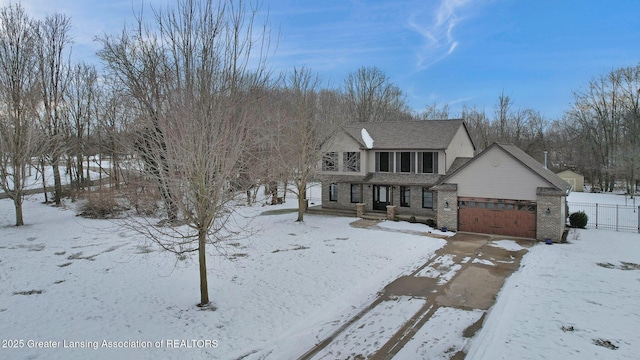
<point>404,179</point>
<point>385,178</point>
<point>536,166</point>
<point>457,163</point>
<point>420,134</point>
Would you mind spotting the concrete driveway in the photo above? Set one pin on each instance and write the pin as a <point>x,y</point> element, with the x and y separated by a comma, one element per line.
<point>467,273</point>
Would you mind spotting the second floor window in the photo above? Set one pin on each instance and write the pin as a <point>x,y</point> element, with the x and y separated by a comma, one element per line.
<point>330,161</point>
<point>428,162</point>
<point>384,161</point>
<point>405,162</point>
<point>352,161</point>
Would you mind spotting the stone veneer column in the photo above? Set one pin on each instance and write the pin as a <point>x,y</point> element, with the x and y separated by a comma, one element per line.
<point>391,212</point>
<point>360,210</point>
<point>549,224</point>
<point>447,210</point>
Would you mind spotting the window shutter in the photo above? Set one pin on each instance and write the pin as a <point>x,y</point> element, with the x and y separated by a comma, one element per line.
<point>420,155</point>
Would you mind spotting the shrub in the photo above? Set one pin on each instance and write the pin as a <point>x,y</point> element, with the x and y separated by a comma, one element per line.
<point>412,219</point>
<point>101,206</point>
<point>578,219</point>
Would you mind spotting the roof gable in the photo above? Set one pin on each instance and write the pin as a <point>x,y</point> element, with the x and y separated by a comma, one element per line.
<point>523,158</point>
<point>418,134</point>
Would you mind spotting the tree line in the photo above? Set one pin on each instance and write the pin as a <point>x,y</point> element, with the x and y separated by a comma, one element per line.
<point>191,121</point>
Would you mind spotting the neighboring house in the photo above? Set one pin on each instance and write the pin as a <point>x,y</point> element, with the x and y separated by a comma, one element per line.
<point>574,179</point>
<point>392,163</point>
<point>503,191</point>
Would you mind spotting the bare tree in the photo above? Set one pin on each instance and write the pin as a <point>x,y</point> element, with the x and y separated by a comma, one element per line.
<point>373,98</point>
<point>479,127</point>
<point>192,81</point>
<point>83,90</point>
<point>435,112</point>
<point>597,114</point>
<point>54,63</point>
<point>18,97</point>
<point>301,135</point>
<point>115,125</point>
<point>502,111</point>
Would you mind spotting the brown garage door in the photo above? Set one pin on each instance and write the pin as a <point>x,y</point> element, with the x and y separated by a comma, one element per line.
<point>500,217</point>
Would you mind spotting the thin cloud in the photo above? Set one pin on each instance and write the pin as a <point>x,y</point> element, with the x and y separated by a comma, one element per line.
<point>438,34</point>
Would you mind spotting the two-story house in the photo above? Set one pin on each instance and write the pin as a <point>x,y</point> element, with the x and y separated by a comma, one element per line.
<point>428,169</point>
<point>392,163</point>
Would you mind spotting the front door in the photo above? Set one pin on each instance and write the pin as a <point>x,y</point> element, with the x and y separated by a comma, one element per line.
<point>380,197</point>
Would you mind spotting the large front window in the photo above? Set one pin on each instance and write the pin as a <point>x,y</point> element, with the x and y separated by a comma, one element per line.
<point>352,161</point>
<point>427,199</point>
<point>428,162</point>
<point>384,161</point>
<point>330,161</point>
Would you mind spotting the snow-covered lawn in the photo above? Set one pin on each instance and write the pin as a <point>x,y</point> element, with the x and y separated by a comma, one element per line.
<point>71,281</point>
<point>569,301</point>
<point>100,291</point>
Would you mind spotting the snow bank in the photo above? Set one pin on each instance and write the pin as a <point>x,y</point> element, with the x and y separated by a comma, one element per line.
<point>368,141</point>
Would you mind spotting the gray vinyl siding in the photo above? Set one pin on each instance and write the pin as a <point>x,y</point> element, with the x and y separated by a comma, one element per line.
<point>342,144</point>
<point>460,146</point>
<point>497,175</point>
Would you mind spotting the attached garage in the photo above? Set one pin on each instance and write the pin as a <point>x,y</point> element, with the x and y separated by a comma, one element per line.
<point>495,216</point>
<point>503,191</point>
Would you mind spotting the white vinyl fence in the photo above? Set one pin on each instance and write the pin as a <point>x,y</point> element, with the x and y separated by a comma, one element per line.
<point>609,216</point>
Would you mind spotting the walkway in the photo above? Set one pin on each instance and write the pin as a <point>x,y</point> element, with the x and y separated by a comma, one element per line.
<point>467,273</point>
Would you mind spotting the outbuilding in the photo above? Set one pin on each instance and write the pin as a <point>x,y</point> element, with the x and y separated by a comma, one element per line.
<point>573,178</point>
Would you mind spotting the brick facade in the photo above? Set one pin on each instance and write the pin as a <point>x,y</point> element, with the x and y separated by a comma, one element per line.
<point>343,200</point>
<point>549,224</point>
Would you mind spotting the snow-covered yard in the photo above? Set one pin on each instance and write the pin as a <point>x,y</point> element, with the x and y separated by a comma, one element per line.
<point>569,301</point>
<point>96,290</point>
<point>70,281</point>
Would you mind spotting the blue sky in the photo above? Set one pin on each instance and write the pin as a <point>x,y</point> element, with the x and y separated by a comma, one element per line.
<point>452,52</point>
